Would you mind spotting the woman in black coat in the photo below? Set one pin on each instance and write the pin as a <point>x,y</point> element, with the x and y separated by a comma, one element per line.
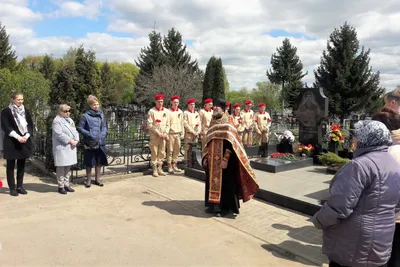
<point>17,125</point>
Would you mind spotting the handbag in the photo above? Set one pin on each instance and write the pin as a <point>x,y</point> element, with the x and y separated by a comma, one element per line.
<point>91,144</point>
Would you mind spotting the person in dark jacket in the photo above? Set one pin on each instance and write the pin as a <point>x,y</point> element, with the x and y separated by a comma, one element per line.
<point>17,125</point>
<point>93,127</point>
<point>358,220</point>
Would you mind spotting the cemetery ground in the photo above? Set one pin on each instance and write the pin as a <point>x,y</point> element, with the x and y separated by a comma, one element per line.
<point>137,220</point>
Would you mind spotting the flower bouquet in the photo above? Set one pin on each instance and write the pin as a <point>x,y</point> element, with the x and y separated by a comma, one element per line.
<point>335,134</point>
<point>306,150</point>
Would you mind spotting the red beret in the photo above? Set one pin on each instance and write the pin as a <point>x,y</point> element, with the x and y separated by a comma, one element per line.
<point>175,97</point>
<point>159,97</point>
<point>236,106</point>
<point>208,100</point>
<point>248,102</point>
<point>228,104</point>
<point>190,101</point>
<point>261,105</point>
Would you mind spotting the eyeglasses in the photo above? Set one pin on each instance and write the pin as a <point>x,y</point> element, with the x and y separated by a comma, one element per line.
<point>66,111</point>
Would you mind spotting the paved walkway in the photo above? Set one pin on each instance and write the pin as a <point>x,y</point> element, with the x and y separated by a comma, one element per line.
<point>143,221</point>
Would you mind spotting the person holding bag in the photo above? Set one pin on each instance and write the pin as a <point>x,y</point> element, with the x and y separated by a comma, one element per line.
<point>94,130</point>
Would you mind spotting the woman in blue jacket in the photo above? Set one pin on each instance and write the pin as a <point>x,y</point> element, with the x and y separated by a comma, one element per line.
<point>94,130</point>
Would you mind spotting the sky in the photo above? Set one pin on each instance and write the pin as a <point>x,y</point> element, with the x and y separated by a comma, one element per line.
<point>243,33</point>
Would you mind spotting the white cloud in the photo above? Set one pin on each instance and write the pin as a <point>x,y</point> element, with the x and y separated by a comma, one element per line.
<point>232,30</point>
<point>89,9</point>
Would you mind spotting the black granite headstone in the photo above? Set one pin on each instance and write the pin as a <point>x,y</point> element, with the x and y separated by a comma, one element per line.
<point>311,111</point>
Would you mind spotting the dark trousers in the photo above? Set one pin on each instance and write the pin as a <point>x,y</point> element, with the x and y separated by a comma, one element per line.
<point>20,173</point>
<point>394,260</point>
<point>334,264</point>
<point>263,150</point>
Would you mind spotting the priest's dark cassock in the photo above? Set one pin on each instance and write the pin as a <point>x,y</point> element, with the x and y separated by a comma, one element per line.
<point>225,187</point>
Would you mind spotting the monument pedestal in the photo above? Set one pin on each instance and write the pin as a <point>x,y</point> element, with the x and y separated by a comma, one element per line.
<point>276,165</point>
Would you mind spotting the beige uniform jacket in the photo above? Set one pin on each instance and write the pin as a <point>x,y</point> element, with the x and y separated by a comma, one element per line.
<point>158,121</point>
<point>205,117</point>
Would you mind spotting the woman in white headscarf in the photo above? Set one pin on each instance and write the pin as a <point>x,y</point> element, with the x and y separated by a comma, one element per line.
<point>17,125</point>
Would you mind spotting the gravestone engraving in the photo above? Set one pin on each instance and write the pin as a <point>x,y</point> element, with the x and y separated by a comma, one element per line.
<point>311,111</point>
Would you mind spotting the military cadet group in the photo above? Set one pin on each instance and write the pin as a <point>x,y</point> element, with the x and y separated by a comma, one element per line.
<point>169,126</point>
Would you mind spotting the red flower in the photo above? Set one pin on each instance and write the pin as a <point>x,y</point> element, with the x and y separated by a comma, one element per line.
<point>1,184</point>
<point>269,119</point>
<point>256,120</point>
<point>158,120</point>
<point>197,125</point>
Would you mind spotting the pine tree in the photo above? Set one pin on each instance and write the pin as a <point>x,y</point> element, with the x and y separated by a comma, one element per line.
<point>151,56</point>
<point>47,67</point>
<point>287,70</point>
<point>218,81</point>
<point>8,56</point>
<point>88,80</point>
<point>107,89</point>
<point>63,89</point>
<point>345,74</point>
<point>208,81</point>
<point>175,52</point>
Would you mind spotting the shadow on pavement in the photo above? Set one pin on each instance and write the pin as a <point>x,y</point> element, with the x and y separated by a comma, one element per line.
<point>194,208</point>
<point>279,251</point>
<point>306,234</point>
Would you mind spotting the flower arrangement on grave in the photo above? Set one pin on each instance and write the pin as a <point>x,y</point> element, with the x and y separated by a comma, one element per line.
<point>285,142</point>
<point>306,150</point>
<point>286,138</point>
<point>335,134</point>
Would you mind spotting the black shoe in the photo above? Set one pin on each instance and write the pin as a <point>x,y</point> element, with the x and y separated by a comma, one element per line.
<point>62,191</point>
<point>13,193</point>
<point>98,183</point>
<point>69,189</point>
<point>22,191</point>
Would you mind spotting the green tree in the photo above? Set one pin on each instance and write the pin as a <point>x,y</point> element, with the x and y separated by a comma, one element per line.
<point>268,93</point>
<point>88,78</point>
<point>218,91</point>
<point>208,82</point>
<point>8,57</point>
<point>345,74</point>
<point>64,90</point>
<point>175,52</point>
<point>149,58</point>
<point>47,67</point>
<point>30,62</point>
<point>214,80</point>
<point>108,85</point>
<point>34,86</point>
<point>287,70</point>
<point>238,96</point>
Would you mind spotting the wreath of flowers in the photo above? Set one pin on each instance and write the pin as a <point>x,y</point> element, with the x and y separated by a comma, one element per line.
<point>335,134</point>
<point>286,137</point>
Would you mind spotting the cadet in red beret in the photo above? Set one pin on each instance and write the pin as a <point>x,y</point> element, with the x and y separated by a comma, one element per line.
<point>206,116</point>
<point>175,134</point>
<point>158,125</point>
<point>192,123</point>
<point>248,120</point>
<point>262,125</point>
<point>238,121</point>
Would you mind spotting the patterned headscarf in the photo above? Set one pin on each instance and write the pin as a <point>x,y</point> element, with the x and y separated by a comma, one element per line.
<point>371,133</point>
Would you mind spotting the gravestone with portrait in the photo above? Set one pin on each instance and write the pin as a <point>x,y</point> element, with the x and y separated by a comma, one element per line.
<point>311,111</point>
